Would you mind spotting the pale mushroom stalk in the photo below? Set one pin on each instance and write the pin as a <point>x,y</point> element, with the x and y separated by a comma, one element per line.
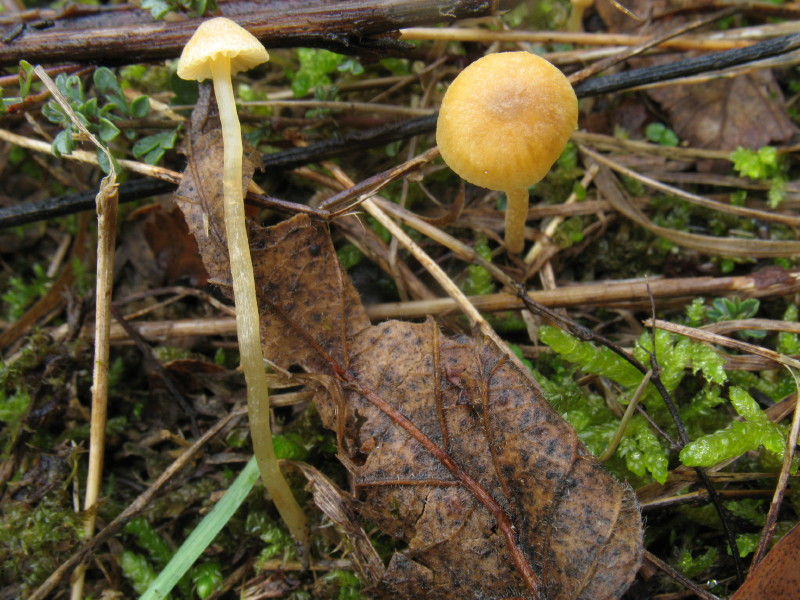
<point>575,21</point>
<point>516,215</point>
<point>248,327</point>
<point>216,63</point>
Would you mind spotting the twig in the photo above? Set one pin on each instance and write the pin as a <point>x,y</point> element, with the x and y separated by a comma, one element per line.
<point>679,577</point>
<point>689,66</point>
<point>91,157</point>
<point>474,34</point>
<point>42,210</point>
<point>623,424</point>
<point>713,338</point>
<point>107,205</point>
<point>742,211</point>
<point>354,27</point>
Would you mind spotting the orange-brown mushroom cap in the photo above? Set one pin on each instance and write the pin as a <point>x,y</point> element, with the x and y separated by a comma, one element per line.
<point>505,120</point>
<point>215,39</point>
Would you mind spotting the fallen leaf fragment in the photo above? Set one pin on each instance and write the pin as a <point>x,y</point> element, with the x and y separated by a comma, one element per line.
<point>507,485</point>
<point>777,577</point>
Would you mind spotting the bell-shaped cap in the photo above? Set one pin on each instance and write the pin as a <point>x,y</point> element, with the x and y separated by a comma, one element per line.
<point>505,120</point>
<point>220,39</point>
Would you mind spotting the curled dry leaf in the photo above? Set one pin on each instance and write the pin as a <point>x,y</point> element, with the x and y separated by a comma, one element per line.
<point>777,577</point>
<point>452,449</point>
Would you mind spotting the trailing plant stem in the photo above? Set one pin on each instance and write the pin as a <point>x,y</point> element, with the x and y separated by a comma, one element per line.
<point>247,321</point>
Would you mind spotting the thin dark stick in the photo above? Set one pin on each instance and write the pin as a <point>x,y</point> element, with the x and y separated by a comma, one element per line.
<point>350,142</point>
<point>606,63</point>
<point>684,439</point>
<point>29,212</point>
<point>678,576</point>
<point>689,66</point>
<point>612,83</point>
<point>351,27</point>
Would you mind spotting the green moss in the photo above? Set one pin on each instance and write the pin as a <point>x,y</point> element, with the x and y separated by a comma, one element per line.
<point>740,437</point>
<point>35,540</point>
<point>693,565</point>
<point>137,570</point>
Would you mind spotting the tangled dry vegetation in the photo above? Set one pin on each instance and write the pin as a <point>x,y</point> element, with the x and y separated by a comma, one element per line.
<point>454,420</point>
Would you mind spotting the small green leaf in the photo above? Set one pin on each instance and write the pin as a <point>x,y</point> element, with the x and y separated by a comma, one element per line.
<point>643,452</point>
<point>692,566</point>
<point>157,8</point>
<point>150,540</point>
<point>351,65</point>
<point>592,359</point>
<point>63,143</point>
<point>708,361</point>
<point>89,109</point>
<point>661,134</point>
<point>152,157</point>
<point>13,408</point>
<point>25,77</point>
<point>349,256</point>
<point>160,141</point>
<point>207,578</point>
<point>106,82</point>
<point>107,130</point>
<point>140,107</point>
<point>71,87</point>
<point>137,570</point>
<point>747,543</point>
<point>102,161</point>
<point>746,407</point>
<point>735,440</point>
<point>55,114</point>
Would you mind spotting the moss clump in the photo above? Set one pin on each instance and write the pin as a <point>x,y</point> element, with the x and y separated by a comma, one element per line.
<point>35,540</point>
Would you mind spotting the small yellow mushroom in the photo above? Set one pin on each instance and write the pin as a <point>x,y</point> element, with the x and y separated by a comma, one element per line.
<point>503,122</point>
<point>218,50</point>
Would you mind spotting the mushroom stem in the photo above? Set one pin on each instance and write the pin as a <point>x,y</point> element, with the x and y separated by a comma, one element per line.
<point>575,21</point>
<point>247,320</point>
<point>516,215</point>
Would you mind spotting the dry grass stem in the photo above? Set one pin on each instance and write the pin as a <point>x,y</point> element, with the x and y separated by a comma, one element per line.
<point>751,213</point>
<point>721,340</point>
<point>466,34</point>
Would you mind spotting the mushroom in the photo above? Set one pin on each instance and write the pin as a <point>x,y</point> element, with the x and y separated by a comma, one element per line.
<point>218,50</point>
<point>503,122</point>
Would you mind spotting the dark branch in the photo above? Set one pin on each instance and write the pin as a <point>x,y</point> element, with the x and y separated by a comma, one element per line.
<point>127,36</point>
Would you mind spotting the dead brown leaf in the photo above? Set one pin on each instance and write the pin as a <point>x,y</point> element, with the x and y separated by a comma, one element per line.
<point>451,448</point>
<point>174,249</point>
<point>199,195</point>
<point>747,110</point>
<point>777,577</point>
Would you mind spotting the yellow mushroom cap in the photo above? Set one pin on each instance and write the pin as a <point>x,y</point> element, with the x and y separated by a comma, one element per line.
<point>220,38</point>
<point>505,120</point>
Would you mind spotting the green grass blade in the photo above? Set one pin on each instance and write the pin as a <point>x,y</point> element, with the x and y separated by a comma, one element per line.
<point>203,534</point>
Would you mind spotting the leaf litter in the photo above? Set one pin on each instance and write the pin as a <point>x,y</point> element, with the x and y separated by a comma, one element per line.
<point>450,447</point>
